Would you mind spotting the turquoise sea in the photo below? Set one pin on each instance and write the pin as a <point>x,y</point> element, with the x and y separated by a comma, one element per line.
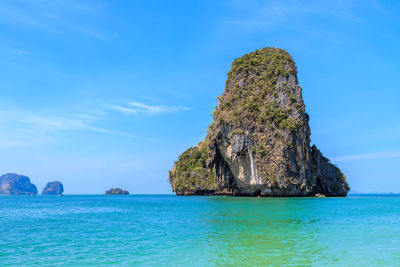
<point>166,230</point>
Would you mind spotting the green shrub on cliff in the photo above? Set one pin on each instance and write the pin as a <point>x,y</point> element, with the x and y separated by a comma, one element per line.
<point>261,151</point>
<point>253,91</point>
<point>274,58</point>
<point>190,172</point>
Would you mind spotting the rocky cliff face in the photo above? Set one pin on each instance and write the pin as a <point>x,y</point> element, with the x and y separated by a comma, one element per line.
<point>14,184</point>
<point>259,142</point>
<point>53,188</point>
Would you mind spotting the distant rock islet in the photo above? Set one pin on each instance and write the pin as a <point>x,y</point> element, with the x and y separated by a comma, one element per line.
<point>53,188</point>
<point>14,184</point>
<point>117,191</point>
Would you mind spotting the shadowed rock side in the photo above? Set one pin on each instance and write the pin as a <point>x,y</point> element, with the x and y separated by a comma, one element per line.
<point>259,141</point>
<point>53,188</point>
<point>14,184</point>
<point>117,191</point>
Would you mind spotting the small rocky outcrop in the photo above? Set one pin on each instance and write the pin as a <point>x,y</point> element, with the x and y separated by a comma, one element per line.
<point>259,141</point>
<point>117,191</point>
<point>53,188</point>
<point>14,184</point>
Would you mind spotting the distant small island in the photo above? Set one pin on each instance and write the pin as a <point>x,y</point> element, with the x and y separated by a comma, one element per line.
<point>117,191</point>
<point>15,184</point>
<point>53,188</point>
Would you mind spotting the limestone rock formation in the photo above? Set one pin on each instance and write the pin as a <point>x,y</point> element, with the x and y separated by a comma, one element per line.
<point>259,141</point>
<point>14,184</point>
<point>117,191</point>
<point>53,188</point>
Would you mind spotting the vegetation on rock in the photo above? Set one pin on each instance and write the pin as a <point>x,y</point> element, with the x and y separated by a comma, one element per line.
<point>252,95</point>
<point>259,141</point>
<point>191,173</point>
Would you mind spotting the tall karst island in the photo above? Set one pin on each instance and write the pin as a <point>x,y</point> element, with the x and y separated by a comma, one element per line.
<point>259,141</point>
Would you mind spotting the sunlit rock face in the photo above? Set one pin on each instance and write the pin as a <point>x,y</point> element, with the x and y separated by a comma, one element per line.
<point>259,141</point>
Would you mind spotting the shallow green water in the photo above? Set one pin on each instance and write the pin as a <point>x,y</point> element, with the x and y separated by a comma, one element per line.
<point>199,231</point>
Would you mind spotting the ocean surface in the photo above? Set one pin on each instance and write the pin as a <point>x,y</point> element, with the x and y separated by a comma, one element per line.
<point>166,230</point>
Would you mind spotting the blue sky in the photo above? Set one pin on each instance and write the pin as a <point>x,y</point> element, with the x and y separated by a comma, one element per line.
<point>99,94</point>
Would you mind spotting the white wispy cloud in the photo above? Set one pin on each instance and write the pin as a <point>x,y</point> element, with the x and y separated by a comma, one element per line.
<point>135,107</point>
<point>156,109</point>
<point>106,131</point>
<point>367,156</point>
<point>52,123</point>
<point>260,14</point>
<point>22,52</point>
<point>53,16</point>
<point>94,119</point>
<point>123,109</point>
<point>88,117</point>
<point>148,108</point>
